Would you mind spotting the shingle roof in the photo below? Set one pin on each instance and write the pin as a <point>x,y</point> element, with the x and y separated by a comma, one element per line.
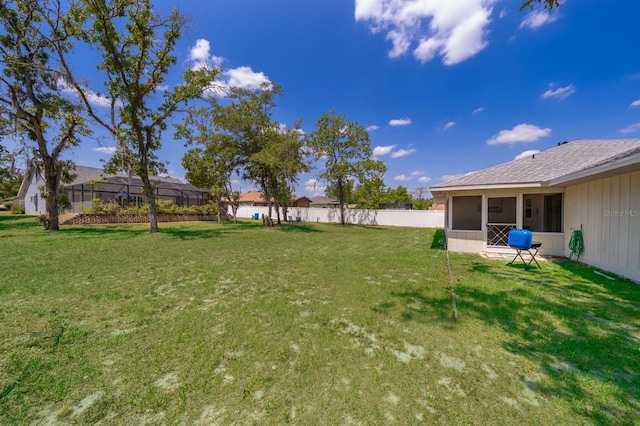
<point>323,200</point>
<point>84,174</point>
<point>252,196</point>
<point>562,160</point>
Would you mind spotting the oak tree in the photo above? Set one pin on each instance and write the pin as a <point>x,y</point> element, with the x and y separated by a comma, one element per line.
<point>33,42</point>
<point>345,150</point>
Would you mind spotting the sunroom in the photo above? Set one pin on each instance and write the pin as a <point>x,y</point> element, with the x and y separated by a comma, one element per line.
<point>480,220</point>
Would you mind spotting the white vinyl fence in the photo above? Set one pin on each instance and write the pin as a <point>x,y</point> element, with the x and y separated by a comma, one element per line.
<point>411,218</point>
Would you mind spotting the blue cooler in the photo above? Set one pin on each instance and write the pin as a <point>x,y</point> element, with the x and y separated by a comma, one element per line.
<point>256,216</point>
<point>520,239</point>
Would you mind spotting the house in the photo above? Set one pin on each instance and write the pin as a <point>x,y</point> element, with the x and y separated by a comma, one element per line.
<point>255,198</point>
<point>90,183</point>
<point>300,201</point>
<point>323,202</point>
<point>588,185</point>
<point>252,198</point>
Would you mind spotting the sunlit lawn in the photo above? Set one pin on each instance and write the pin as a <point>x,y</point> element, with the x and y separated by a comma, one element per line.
<point>304,324</point>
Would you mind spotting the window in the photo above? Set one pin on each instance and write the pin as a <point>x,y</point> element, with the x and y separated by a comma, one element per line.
<point>528,208</point>
<point>543,212</point>
<point>467,213</point>
<point>553,213</point>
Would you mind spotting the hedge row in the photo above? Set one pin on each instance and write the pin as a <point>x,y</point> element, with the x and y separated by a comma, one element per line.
<point>94,219</point>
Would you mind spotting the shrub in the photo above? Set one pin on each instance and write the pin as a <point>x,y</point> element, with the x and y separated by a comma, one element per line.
<point>167,206</point>
<point>44,220</point>
<point>8,205</point>
<point>17,209</point>
<point>163,206</point>
<point>209,208</point>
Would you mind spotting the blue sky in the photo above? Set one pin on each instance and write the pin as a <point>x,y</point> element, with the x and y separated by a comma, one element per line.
<point>445,87</point>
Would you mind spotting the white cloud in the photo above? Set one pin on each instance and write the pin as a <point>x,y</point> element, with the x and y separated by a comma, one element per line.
<point>561,93</point>
<point>314,185</point>
<point>520,133</point>
<point>449,125</point>
<point>503,13</point>
<point>94,98</point>
<point>245,78</point>
<point>424,179</point>
<point>417,173</point>
<point>372,128</point>
<point>105,149</point>
<point>201,57</point>
<point>538,18</point>
<point>527,153</point>
<point>400,122</point>
<point>380,151</point>
<point>477,110</point>
<point>402,178</point>
<point>242,77</point>
<point>402,153</point>
<point>453,29</point>
<point>635,103</point>
<point>631,128</point>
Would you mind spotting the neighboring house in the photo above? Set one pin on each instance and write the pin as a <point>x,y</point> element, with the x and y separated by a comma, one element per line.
<point>301,201</point>
<point>255,198</point>
<point>592,185</point>
<point>252,198</point>
<point>320,201</point>
<point>90,183</point>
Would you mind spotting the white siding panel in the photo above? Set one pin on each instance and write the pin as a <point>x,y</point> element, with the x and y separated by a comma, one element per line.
<point>623,231</point>
<point>633,262</point>
<point>608,210</point>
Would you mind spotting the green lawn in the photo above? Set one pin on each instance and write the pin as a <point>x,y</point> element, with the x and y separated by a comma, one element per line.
<point>303,324</point>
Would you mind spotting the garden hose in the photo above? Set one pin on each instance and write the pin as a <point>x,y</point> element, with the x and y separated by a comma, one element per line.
<point>576,244</point>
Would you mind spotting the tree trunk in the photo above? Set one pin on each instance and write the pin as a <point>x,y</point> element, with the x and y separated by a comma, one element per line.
<point>219,203</point>
<point>52,174</point>
<point>151,199</point>
<point>341,196</point>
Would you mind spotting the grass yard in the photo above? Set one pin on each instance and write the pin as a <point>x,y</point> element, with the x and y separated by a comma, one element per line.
<point>303,324</point>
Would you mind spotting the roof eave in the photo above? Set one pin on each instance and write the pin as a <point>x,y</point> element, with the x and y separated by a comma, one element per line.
<point>603,168</point>
<point>489,186</point>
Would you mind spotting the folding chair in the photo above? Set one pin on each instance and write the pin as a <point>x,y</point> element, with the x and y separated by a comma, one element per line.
<point>520,240</point>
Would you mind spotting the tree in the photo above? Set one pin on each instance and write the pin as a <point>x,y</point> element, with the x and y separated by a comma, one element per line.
<point>345,149</point>
<point>331,191</point>
<point>137,53</point>
<point>546,4</point>
<point>422,204</point>
<point>268,155</point>
<point>10,176</point>
<point>419,202</point>
<point>213,161</point>
<point>283,158</point>
<point>33,41</point>
<point>370,191</point>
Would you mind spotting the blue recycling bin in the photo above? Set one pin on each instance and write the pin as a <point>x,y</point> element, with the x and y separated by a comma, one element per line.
<point>256,216</point>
